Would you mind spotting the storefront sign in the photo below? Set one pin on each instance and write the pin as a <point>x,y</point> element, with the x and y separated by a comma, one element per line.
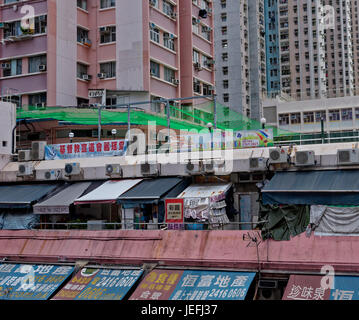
<point>86,149</point>
<point>99,284</point>
<point>157,285</point>
<point>31,282</point>
<point>174,210</point>
<point>212,285</point>
<point>96,93</point>
<point>302,287</point>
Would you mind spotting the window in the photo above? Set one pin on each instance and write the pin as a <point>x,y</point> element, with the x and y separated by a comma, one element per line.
<point>37,99</point>
<point>226,97</point>
<point>308,117</point>
<point>107,34</point>
<point>82,69</point>
<point>207,89</point>
<point>107,4</point>
<point>197,86</point>
<point>155,69</point>
<point>347,114</point>
<point>13,29</point>
<point>168,41</point>
<point>225,56</point>
<point>224,43</point>
<point>224,17</point>
<point>155,34</point>
<point>195,56</point>
<point>225,84</point>
<point>82,35</point>
<point>334,115</point>
<point>206,33</point>
<point>283,119</point>
<point>167,8</point>
<point>35,62</point>
<point>295,118</point>
<point>82,4</point>
<point>109,69</point>
<point>169,74</point>
<point>14,68</point>
<point>225,71</point>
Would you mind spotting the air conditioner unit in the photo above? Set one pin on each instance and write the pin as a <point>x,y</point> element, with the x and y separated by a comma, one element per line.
<point>257,164</point>
<point>348,156</point>
<point>278,155</point>
<point>42,67</point>
<point>208,167</point>
<point>25,169</point>
<point>113,169</point>
<point>193,168</point>
<point>6,66</point>
<point>152,2</point>
<point>86,77</point>
<point>72,169</point>
<point>38,150</point>
<point>175,81</point>
<point>52,175</point>
<point>101,75</point>
<point>210,62</point>
<point>24,155</point>
<point>304,158</point>
<point>149,169</point>
<point>173,15</point>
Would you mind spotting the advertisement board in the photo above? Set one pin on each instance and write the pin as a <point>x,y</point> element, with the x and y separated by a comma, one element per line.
<point>86,149</point>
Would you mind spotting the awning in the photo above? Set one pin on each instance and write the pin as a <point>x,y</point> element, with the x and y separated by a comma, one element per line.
<point>214,191</point>
<point>23,196</point>
<point>305,287</point>
<point>31,282</point>
<point>108,192</point>
<point>61,201</point>
<point>149,191</point>
<point>334,187</point>
<point>161,284</point>
<point>99,284</point>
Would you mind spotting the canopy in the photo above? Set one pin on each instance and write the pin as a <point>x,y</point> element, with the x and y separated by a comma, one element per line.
<point>23,196</point>
<point>108,192</point>
<point>194,285</point>
<point>149,191</point>
<point>307,287</point>
<point>108,284</point>
<point>17,281</point>
<point>327,187</point>
<point>61,201</point>
<point>214,191</point>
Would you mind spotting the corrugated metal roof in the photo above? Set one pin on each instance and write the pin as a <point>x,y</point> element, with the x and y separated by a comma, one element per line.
<point>217,248</point>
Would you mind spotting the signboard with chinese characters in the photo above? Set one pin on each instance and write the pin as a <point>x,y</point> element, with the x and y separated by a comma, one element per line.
<point>99,284</point>
<point>212,285</point>
<point>302,287</point>
<point>174,210</point>
<point>31,282</point>
<point>157,285</point>
<point>86,149</point>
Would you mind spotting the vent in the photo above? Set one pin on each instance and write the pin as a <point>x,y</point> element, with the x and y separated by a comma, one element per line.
<point>269,294</point>
<point>275,155</point>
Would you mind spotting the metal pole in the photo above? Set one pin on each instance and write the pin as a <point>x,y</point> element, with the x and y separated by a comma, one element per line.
<point>215,110</point>
<point>129,121</point>
<point>168,119</point>
<point>99,122</point>
<point>322,125</point>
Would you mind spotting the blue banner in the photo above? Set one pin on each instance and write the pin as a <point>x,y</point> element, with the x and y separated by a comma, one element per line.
<point>31,282</point>
<point>345,288</point>
<point>86,149</point>
<point>212,285</point>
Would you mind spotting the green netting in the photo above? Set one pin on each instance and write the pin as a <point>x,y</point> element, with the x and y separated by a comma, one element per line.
<point>194,116</point>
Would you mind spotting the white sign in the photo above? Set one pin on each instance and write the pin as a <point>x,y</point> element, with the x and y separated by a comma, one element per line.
<point>96,93</point>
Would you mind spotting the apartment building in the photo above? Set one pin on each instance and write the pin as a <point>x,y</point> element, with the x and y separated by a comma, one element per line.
<point>240,54</point>
<point>315,48</point>
<point>137,50</point>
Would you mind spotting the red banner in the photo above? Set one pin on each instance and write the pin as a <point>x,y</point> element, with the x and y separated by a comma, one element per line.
<point>174,211</point>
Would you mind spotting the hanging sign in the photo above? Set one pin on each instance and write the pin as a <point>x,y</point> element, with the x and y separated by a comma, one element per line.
<point>174,210</point>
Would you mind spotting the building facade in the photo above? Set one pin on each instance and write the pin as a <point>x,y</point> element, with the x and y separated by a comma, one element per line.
<point>137,50</point>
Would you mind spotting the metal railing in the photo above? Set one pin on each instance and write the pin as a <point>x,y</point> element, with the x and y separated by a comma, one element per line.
<point>143,226</point>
